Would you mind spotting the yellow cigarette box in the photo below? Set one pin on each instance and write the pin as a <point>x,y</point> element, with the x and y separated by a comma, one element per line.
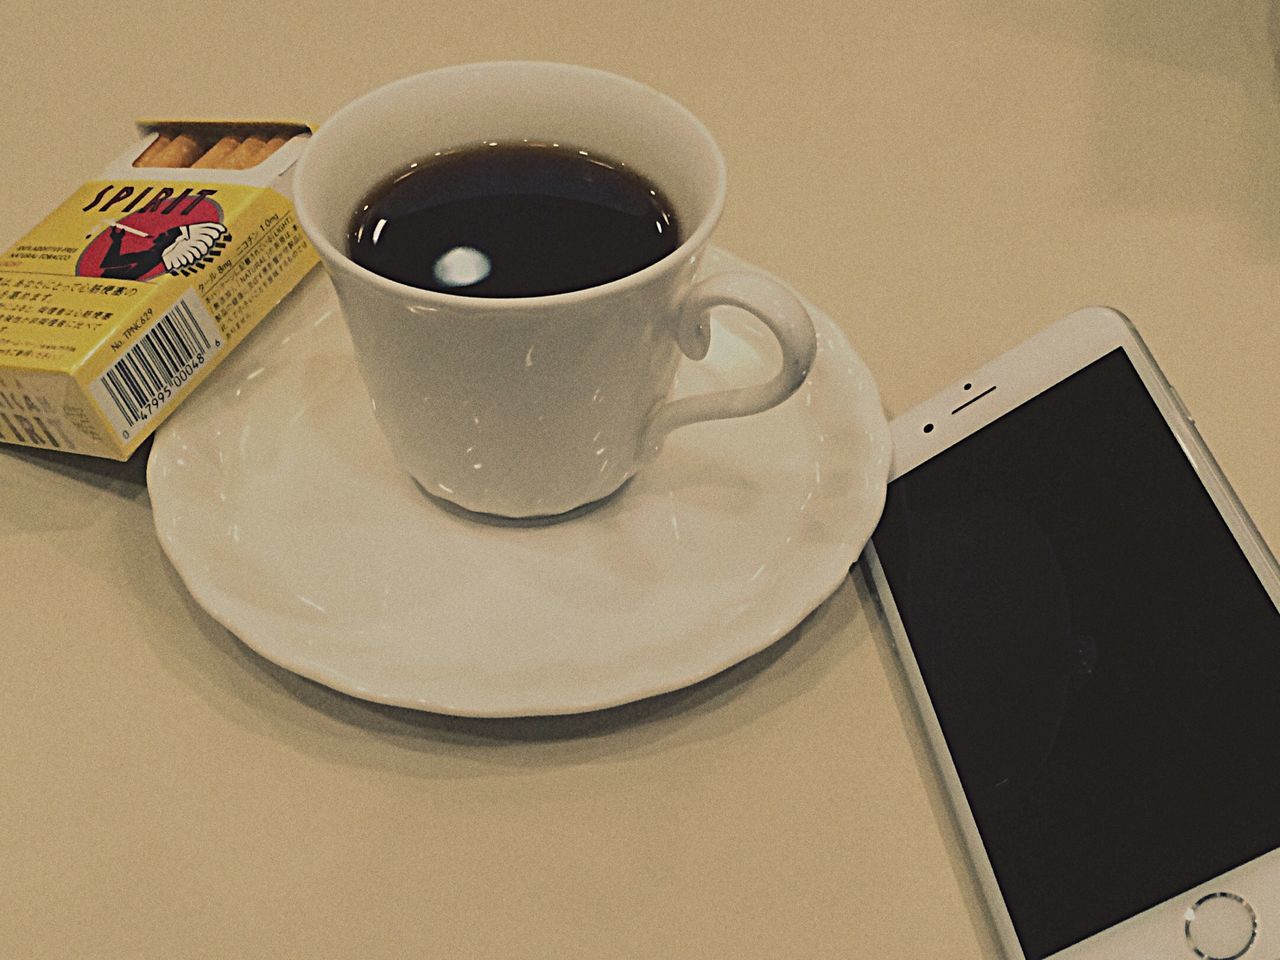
<point>120,302</point>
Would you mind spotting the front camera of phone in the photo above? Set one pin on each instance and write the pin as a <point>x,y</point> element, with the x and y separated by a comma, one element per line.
<point>928,428</point>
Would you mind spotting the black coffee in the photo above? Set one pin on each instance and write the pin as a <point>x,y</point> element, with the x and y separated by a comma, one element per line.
<point>512,220</point>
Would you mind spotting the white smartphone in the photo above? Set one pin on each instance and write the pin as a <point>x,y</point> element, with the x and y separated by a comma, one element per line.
<point>1087,622</point>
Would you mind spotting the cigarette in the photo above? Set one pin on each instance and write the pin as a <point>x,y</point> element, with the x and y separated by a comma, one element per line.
<point>217,155</point>
<point>229,153</point>
<point>128,229</point>
<point>248,154</point>
<point>148,156</point>
<point>274,144</point>
<point>182,151</point>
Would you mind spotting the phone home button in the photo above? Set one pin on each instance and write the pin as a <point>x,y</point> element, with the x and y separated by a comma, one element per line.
<point>1220,926</point>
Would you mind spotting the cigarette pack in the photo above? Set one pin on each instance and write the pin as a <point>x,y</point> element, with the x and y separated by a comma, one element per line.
<point>120,302</point>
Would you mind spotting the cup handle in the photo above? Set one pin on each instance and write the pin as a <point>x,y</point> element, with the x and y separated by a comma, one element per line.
<point>773,304</point>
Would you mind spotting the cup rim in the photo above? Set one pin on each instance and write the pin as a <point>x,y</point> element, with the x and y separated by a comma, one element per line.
<point>339,260</point>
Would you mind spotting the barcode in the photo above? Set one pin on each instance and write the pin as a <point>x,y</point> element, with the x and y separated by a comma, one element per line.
<point>152,371</point>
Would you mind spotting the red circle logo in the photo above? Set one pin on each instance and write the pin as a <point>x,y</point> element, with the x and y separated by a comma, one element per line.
<point>170,236</point>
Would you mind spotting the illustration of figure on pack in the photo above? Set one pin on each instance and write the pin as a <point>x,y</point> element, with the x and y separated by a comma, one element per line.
<point>178,250</point>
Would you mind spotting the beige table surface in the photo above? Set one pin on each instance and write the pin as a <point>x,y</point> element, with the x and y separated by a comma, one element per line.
<point>943,178</point>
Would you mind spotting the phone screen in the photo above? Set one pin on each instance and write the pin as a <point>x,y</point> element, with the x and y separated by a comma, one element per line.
<point>1102,659</point>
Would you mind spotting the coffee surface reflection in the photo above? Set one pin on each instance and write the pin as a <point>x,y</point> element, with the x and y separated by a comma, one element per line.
<point>512,220</point>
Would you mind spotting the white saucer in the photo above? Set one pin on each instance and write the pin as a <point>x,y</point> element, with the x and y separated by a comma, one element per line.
<point>277,500</point>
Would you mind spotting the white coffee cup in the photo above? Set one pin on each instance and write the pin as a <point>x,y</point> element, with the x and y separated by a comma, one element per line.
<point>532,406</point>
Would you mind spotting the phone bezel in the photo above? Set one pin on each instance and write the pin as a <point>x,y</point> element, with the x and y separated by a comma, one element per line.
<point>955,413</point>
